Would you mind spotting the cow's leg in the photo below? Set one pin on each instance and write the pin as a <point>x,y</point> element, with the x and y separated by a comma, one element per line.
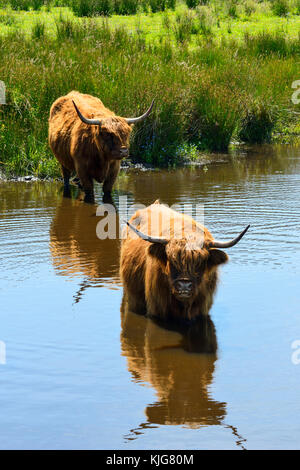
<point>87,184</point>
<point>110,178</point>
<point>88,189</point>
<point>66,176</point>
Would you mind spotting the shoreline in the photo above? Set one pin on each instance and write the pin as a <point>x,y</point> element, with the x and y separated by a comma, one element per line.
<point>239,151</point>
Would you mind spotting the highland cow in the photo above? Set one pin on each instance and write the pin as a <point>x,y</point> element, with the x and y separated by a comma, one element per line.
<point>89,139</point>
<point>169,264</point>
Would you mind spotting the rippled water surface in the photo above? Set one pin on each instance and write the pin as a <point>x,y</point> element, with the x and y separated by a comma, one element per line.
<point>77,371</point>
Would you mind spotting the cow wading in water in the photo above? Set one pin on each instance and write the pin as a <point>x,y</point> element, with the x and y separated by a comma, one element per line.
<point>89,139</point>
<point>169,264</point>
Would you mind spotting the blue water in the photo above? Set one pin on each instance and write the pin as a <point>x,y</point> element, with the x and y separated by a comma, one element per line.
<point>74,378</point>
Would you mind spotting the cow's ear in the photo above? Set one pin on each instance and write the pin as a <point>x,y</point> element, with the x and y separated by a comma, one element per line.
<point>158,250</point>
<point>216,257</point>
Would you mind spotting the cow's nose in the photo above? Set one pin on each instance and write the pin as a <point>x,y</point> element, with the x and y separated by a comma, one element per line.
<point>124,152</point>
<point>184,285</point>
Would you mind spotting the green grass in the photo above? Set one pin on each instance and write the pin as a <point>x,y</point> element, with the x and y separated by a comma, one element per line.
<point>213,84</point>
<point>216,17</point>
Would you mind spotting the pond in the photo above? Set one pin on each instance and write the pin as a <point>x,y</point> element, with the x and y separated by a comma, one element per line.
<point>77,373</point>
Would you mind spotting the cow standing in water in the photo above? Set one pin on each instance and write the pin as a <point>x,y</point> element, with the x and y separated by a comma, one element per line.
<point>169,264</point>
<point>89,139</point>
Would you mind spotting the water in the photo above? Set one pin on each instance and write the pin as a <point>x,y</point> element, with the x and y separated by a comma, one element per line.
<point>76,373</point>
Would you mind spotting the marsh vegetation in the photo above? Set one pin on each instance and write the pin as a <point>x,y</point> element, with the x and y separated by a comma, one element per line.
<point>218,75</point>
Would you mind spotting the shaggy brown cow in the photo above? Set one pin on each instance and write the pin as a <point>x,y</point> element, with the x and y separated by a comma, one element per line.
<point>92,144</point>
<point>171,272</point>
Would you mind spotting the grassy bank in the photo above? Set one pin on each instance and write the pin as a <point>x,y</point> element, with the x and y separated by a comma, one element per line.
<point>211,88</point>
<point>215,18</point>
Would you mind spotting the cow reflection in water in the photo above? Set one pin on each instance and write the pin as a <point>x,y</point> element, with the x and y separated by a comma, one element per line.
<point>76,250</point>
<point>169,360</point>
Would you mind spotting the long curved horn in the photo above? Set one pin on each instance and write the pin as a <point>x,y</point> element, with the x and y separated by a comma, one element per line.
<point>142,235</point>
<point>230,243</point>
<point>85,120</point>
<point>140,118</point>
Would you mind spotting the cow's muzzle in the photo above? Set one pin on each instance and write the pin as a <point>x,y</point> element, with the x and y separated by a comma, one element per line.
<point>183,288</point>
<point>124,152</point>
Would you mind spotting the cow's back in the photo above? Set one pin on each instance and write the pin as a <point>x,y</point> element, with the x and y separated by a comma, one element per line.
<point>89,106</point>
<point>67,132</point>
<point>159,220</point>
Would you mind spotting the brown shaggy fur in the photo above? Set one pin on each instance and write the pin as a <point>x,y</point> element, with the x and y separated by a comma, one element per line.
<point>162,358</point>
<point>92,151</point>
<point>151,271</point>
